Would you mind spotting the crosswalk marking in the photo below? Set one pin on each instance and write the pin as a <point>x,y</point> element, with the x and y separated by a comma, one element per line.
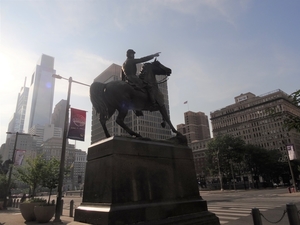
<point>229,217</point>
<point>237,211</point>
<point>250,208</point>
<point>233,214</point>
<point>229,211</point>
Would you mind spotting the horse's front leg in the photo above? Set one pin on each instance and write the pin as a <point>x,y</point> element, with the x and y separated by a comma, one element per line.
<point>166,118</point>
<point>120,120</point>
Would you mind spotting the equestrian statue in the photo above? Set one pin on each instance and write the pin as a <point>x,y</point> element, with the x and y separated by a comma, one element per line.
<point>137,93</point>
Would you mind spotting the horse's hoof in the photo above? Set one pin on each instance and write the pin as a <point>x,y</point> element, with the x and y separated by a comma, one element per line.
<point>137,135</point>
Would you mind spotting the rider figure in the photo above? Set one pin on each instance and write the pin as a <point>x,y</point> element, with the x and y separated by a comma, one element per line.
<point>129,71</point>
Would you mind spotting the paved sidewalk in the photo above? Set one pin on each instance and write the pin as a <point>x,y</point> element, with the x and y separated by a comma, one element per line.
<point>13,216</point>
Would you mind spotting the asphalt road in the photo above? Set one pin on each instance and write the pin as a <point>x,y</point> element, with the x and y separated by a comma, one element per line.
<point>234,207</point>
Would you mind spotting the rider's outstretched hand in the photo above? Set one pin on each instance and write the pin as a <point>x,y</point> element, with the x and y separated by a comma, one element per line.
<point>156,54</point>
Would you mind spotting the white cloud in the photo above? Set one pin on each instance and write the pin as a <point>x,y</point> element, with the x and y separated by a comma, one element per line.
<point>81,65</point>
<point>204,9</point>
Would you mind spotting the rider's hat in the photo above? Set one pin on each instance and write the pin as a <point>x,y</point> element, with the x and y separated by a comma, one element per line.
<point>130,51</point>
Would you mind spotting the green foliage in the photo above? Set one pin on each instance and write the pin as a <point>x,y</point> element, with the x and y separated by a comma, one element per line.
<point>50,175</point>
<point>31,200</point>
<point>262,162</point>
<point>292,121</point>
<point>296,98</point>
<point>32,172</point>
<point>39,172</point>
<point>233,155</point>
<point>225,150</point>
<point>3,186</point>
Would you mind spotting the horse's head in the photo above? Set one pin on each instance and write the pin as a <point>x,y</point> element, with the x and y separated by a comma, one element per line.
<point>149,71</point>
<point>160,69</point>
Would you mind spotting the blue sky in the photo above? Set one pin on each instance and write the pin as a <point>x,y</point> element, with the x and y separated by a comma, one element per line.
<point>217,49</point>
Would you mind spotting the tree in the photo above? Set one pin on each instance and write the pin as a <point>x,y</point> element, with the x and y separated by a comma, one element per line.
<point>50,175</point>
<point>4,168</point>
<point>263,162</point>
<point>225,150</point>
<point>292,121</point>
<point>3,186</point>
<point>32,173</point>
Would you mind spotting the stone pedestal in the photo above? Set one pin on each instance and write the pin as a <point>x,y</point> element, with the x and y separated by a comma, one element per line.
<point>131,181</point>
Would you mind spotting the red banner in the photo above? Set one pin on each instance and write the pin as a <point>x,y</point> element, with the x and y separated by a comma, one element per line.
<point>291,152</point>
<point>77,125</point>
<point>19,156</point>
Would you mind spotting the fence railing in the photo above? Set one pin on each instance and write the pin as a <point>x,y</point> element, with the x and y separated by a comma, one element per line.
<point>291,211</point>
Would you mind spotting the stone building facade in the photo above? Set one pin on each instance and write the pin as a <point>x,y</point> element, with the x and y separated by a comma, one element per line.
<point>249,118</point>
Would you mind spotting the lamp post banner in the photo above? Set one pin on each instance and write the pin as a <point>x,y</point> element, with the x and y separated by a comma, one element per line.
<point>291,151</point>
<point>19,157</point>
<point>77,125</point>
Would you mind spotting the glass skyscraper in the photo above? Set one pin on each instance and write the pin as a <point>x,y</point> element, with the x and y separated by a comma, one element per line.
<point>41,93</point>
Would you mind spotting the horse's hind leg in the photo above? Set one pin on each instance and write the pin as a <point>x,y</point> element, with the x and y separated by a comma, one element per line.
<point>102,120</point>
<point>120,120</point>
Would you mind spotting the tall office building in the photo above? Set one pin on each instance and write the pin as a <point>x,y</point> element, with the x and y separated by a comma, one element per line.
<point>199,149</point>
<point>17,125</point>
<point>249,119</point>
<point>45,133</point>
<point>148,125</point>
<point>58,115</point>
<point>78,169</point>
<point>196,126</point>
<point>25,142</point>
<point>41,93</point>
<point>17,122</point>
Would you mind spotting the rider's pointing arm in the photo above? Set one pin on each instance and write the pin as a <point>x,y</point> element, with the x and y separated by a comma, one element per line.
<point>146,58</point>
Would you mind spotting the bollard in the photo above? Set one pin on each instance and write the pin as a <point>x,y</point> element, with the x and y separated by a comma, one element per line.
<point>256,216</point>
<point>62,207</point>
<point>292,212</point>
<point>14,203</point>
<point>17,203</point>
<point>71,208</point>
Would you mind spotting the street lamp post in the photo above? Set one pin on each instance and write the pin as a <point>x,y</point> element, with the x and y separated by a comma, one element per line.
<point>63,150</point>
<point>290,167</point>
<point>11,167</point>
<point>219,170</point>
<point>231,167</point>
<point>285,141</point>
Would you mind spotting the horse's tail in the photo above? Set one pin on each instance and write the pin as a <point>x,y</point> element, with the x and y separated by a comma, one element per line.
<point>97,90</point>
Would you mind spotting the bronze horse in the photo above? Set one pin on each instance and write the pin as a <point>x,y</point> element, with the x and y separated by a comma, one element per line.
<point>121,96</point>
